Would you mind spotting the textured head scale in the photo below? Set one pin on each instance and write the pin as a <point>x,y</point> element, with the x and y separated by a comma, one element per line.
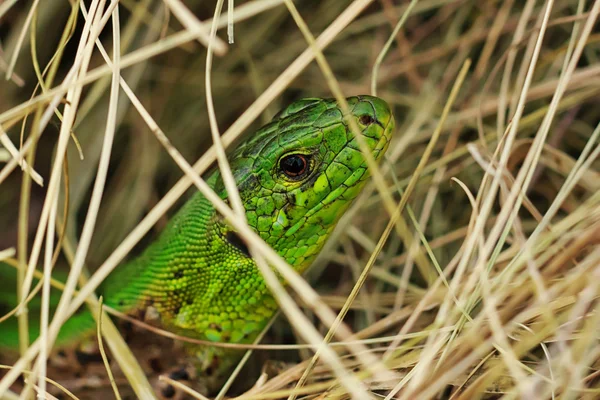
<point>299,173</point>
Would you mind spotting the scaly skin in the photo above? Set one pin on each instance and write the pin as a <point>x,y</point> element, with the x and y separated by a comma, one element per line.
<point>198,276</point>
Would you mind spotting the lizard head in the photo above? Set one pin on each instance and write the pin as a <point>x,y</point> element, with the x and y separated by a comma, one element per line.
<point>300,172</point>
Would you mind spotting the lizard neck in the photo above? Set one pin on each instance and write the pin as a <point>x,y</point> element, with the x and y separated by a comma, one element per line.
<point>198,279</point>
<point>166,275</point>
<point>194,279</point>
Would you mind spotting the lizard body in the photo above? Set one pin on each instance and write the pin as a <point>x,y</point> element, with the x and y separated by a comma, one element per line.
<point>296,176</point>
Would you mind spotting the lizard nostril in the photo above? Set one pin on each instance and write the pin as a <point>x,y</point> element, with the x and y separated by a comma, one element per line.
<point>366,119</point>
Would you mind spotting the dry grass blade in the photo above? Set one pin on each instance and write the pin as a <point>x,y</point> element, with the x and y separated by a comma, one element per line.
<point>191,23</point>
<point>101,316</point>
<point>12,151</point>
<point>58,385</point>
<point>5,6</point>
<point>182,387</point>
<point>7,253</point>
<point>17,49</point>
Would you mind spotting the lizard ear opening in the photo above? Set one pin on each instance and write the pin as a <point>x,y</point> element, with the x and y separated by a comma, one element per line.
<point>236,241</point>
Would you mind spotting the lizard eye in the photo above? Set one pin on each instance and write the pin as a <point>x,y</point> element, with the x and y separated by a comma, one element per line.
<point>294,166</point>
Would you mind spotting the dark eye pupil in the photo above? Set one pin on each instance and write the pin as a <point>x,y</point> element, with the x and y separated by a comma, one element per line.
<point>366,119</point>
<point>293,165</point>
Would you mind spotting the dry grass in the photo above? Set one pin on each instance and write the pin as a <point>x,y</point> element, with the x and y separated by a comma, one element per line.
<point>467,269</point>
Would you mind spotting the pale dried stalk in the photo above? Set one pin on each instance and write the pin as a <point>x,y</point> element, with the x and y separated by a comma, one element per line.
<point>192,24</point>
<point>21,38</point>
<point>182,387</point>
<point>12,151</point>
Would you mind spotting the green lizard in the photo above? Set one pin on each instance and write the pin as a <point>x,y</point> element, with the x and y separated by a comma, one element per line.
<point>296,176</point>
